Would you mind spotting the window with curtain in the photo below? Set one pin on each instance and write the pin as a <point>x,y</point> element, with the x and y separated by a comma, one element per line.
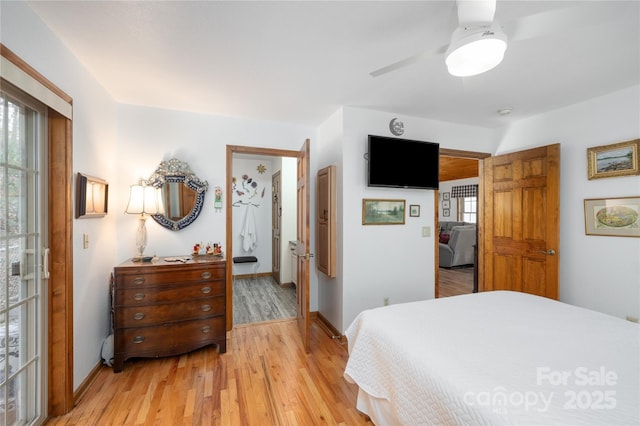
<point>467,196</point>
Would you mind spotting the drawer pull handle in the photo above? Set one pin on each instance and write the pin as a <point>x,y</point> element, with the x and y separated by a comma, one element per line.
<point>138,296</point>
<point>138,316</point>
<point>138,280</point>
<point>206,275</point>
<point>206,329</point>
<point>138,339</point>
<point>206,290</point>
<point>206,308</point>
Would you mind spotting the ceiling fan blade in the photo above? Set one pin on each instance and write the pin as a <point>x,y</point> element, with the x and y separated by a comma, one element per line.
<point>561,20</point>
<point>397,65</point>
<point>408,61</point>
<point>472,12</point>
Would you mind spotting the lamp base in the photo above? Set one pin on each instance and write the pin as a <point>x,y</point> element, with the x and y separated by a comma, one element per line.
<point>141,238</point>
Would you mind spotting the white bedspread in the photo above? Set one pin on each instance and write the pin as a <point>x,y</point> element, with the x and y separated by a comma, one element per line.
<point>497,358</point>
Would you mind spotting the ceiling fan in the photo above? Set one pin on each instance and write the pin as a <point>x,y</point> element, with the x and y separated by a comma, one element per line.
<point>479,42</point>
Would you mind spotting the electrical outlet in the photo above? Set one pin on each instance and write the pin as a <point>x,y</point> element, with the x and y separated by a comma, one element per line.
<point>386,301</point>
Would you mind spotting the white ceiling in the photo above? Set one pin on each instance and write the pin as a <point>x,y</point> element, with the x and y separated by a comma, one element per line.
<point>298,61</point>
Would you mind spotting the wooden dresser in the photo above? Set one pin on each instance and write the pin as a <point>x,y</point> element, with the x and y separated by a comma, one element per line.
<point>164,308</point>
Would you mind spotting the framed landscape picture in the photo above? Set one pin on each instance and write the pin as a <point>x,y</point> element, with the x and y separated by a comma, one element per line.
<point>619,217</point>
<point>383,212</point>
<point>619,159</point>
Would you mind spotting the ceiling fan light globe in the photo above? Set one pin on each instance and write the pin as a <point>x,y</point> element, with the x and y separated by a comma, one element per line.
<point>473,52</point>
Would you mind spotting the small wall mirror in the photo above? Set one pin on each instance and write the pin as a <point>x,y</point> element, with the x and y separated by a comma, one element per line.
<point>182,194</point>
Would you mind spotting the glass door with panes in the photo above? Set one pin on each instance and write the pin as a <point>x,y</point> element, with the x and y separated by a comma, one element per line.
<point>22,260</point>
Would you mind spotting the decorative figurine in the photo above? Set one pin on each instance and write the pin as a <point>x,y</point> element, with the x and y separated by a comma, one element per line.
<point>217,202</point>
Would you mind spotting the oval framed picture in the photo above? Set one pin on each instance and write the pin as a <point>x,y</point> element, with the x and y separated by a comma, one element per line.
<point>615,217</point>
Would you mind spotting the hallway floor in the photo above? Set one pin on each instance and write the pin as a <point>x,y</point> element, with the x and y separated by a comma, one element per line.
<point>262,299</point>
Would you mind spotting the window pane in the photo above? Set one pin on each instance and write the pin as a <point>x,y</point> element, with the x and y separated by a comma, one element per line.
<point>15,126</point>
<point>2,126</point>
<point>468,206</point>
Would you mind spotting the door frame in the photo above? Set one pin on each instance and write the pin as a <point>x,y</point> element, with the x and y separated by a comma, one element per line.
<point>480,156</point>
<point>231,150</point>
<point>58,296</point>
<point>276,218</point>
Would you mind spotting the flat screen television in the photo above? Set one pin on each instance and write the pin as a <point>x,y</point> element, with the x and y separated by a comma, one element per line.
<point>403,163</point>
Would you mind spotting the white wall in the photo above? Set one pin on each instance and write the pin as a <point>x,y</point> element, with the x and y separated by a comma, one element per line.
<point>390,261</point>
<point>601,273</point>
<point>148,136</point>
<point>94,153</point>
<point>330,147</point>
<point>453,203</point>
<point>257,199</point>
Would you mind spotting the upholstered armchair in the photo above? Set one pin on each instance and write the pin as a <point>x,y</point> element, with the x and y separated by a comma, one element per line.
<point>459,249</point>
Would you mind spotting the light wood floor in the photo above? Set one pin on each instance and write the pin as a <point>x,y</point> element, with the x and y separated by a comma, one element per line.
<point>265,378</point>
<point>262,299</point>
<point>455,281</point>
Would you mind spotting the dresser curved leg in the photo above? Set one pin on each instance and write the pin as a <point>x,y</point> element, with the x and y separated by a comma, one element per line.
<point>118,364</point>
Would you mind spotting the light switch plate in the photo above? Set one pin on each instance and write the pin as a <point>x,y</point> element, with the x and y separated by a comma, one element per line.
<point>426,231</point>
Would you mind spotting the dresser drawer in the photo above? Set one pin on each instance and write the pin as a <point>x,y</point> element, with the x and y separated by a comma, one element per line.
<point>137,316</point>
<point>146,278</point>
<point>163,339</point>
<point>173,293</point>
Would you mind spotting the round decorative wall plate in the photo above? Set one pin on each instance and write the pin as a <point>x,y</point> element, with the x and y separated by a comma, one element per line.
<point>396,127</point>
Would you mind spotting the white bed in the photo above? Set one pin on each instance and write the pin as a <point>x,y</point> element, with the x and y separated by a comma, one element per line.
<point>494,358</point>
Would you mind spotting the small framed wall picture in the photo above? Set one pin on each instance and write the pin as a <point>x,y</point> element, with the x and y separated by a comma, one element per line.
<point>446,195</point>
<point>615,217</point>
<point>382,212</point>
<point>446,204</point>
<point>414,210</point>
<point>618,159</point>
<point>445,213</point>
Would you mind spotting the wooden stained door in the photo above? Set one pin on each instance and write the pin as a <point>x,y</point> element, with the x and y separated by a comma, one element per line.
<point>521,221</point>
<point>276,226</point>
<point>302,249</point>
<point>326,221</point>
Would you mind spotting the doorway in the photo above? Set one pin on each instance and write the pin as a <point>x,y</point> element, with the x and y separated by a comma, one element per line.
<point>56,388</point>
<point>456,250</point>
<point>263,203</point>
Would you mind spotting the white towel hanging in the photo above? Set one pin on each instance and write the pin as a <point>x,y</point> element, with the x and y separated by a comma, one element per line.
<point>248,233</point>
